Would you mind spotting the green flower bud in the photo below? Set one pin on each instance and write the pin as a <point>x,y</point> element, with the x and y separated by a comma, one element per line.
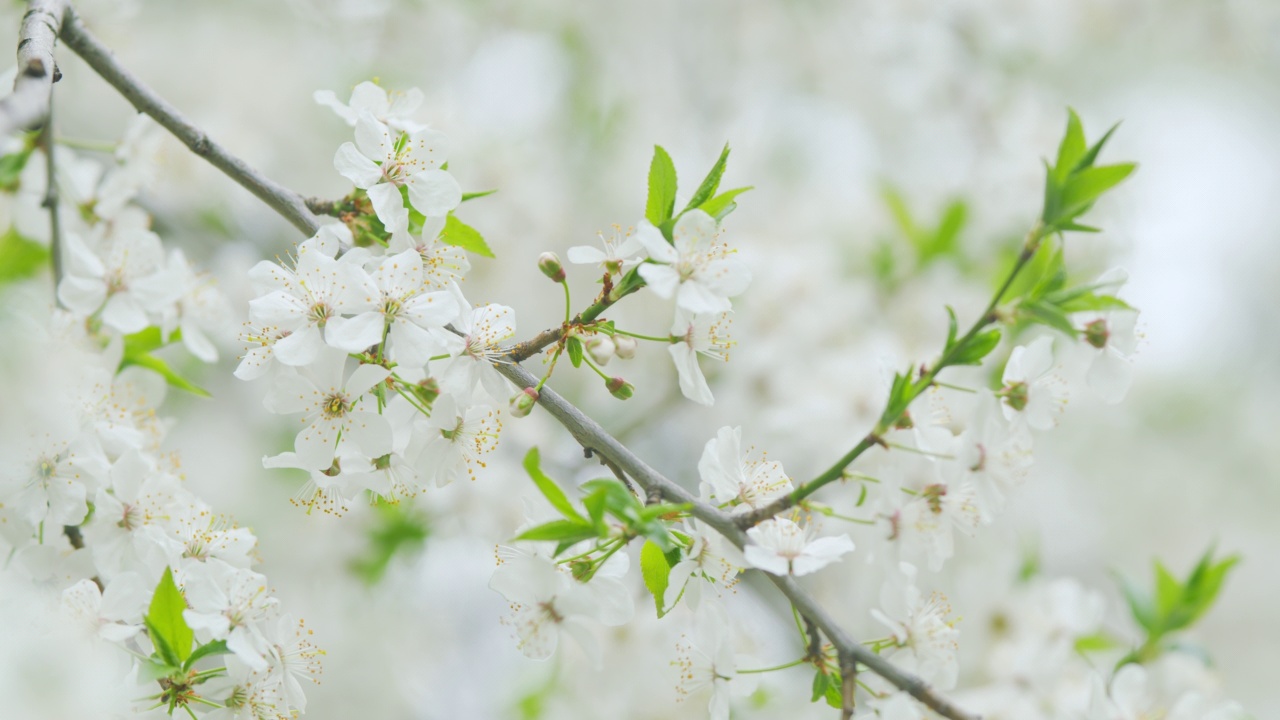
<point>620,388</point>
<point>549,264</point>
<point>522,402</point>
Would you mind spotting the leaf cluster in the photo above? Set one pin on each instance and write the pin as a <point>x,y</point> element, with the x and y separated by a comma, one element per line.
<point>1175,604</point>
<point>176,652</point>
<point>1074,183</point>
<point>601,499</point>
<point>660,204</point>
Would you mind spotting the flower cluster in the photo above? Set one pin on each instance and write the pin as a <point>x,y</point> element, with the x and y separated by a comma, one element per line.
<point>92,508</point>
<point>369,338</point>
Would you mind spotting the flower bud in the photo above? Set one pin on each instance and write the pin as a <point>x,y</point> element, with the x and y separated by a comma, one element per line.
<point>427,390</point>
<point>1097,334</point>
<point>522,402</point>
<point>601,348</point>
<point>549,264</point>
<point>625,346</point>
<point>620,388</point>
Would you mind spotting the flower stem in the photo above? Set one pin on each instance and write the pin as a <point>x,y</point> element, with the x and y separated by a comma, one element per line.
<point>784,666</point>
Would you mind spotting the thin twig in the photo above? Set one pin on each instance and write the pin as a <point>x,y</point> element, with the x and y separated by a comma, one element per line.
<point>289,204</point>
<point>589,433</point>
<point>50,201</point>
<point>28,106</point>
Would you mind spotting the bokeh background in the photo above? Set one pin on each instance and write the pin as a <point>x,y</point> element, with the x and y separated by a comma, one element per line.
<point>826,104</point>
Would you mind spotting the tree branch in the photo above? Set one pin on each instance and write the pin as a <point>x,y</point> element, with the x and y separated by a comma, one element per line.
<point>590,434</point>
<point>28,106</point>
<point>289,204</point>
<point>39,34</point>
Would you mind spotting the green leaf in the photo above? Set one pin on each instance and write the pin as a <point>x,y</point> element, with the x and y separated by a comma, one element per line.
<point>569,531</point>
<point>474,195</point>
<point>952,328</point>
<point>1072,147</point>
<point>1087,185</point>
<point>20,258</point>
<point>1096,642</point>
<point>656,573</point>
<point>1047,314</point>
<point>948,232</point>
<point>661,201</point>
<point>820,683</point>
<point>217,647</point>
<point>398,530</point>
<point>548,487</point>
<point>156,365</point>
<point>711,182</point>
<point>11,166</point>
<point>721,205</point>
<point>835,693</point>
<point>165,622</point>
<point>1139,606</point>
<point>460,234</point>
<point>574,347</point>
<point>977,348</point>
<point>151,669</point>
<point>146,340</point>
<point>1092,155</point>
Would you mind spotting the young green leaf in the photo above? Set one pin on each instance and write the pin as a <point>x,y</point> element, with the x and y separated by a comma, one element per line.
<point>568,531</point>
<point>475,195</point>
<point>656,573</point>
<point>1072,149</point>
<point>160,367</point>
<point>165,622</point>
<point>821,681</point>
<point>574,347</point>
<point>19,257</point>
<point>460,234</point>
<point>1087,185</point>
<point>548,487</point>
<point>217,647</point>
<point>661,201</point>
<point>711,182</point>
<point>11,166</point>
<point>977,348</point>
<point>721,205</point>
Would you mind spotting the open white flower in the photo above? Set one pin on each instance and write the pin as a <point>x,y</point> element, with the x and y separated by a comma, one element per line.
<point>730,476</point>
<point>546,601</point>
<point>922,629</point>
<point>414,320</point>
<point>127,281</point>
<point>229,603</point>
<point>698,335</point>
<point>392,108</point>
<point>781,547</point>
<point>708,558</point>
<point>621,251</point>
<point>1032,390</point>
<point>305,299</point>
<point>483,331</point>
<point>442,264</point>
<point>453,441</point>
<point>699,271</point>
<point>330,408</point>
<point>381,161</point>
<point>710,661</point>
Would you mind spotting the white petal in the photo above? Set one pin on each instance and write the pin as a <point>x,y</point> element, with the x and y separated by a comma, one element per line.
<point>434,192</point>
<point>299,347</point>
<point>82,295</point>
<point>388,205</point>
<point>357,168</point>
<point>365,377</point>
<point>764,559</point>
<point>123,313</point>
<point>1110,376</point>
<point>662,279</point>
<point>586,255</point>
<point>651,239</point>
<point>373,138</point>
<point>693,384</point>
<point>354,334</point>
<point>698,298</point>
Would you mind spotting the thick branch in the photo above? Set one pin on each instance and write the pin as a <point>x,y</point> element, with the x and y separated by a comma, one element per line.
<point>591,435</point>
<point>289,204</point>
<point>28,106</point>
